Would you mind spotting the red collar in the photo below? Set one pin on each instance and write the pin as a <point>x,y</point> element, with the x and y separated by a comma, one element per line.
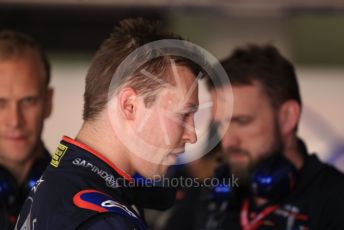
<point>98,155</point>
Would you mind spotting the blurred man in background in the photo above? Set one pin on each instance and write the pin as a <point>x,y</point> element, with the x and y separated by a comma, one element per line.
<point>281,185</point>
<point>25,102</point>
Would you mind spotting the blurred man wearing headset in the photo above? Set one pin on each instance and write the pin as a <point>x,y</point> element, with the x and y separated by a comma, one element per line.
<point>281,185</point>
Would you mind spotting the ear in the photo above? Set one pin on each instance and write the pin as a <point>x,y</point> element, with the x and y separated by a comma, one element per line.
<point>289,116</point>
<point>48,102</point>
<point>127,99</point>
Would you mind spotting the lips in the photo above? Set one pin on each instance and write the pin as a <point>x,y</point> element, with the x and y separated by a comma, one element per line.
<point>15,137</point>
<point>236,154</point>
<point>174,154</point>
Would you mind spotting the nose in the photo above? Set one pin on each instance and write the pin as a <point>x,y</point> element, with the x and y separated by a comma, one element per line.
<point>14,116</point>
<point>230,139</point>
<point>190,135</point>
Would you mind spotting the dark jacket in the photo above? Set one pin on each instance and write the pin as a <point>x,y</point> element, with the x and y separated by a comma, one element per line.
<point>81,190</point>
<point>12,195</point>
<point>317,203</point>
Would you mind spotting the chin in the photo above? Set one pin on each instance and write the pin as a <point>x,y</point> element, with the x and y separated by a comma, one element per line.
<point>241,167</point>
<point>241,164</point>
<point>152,172</point>
<point>159,172</point>
<point>17,157</point>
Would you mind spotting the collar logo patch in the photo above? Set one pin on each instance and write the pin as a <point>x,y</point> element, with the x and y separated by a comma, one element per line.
<point>59,152</point>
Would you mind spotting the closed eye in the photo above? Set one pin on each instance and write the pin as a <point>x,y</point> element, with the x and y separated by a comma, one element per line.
<point>242,120</point>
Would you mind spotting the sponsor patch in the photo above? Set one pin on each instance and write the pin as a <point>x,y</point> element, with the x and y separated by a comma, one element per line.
<point>106,176</point>
<point>59,152</point>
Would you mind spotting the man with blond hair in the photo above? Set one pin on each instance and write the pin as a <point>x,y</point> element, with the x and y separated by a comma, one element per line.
<point>25,102</point>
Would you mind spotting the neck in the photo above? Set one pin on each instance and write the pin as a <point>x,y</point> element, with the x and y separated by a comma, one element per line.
<point>293,153</point>
<point>97,135</point>
<point>20,169</point>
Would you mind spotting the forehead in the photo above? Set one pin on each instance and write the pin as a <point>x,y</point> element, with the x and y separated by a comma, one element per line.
<point>246,99</point>
<point>183,89</point>
<point>22,74</point>
<point>249,95</point>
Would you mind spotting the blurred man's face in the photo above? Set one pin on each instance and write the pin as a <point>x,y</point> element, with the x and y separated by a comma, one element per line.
<point>168,124</point>
<point>24,103</point>
<point>253,133</point>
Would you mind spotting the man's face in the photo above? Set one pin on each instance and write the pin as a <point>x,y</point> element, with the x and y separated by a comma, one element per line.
<point>253,133</point>
<point>24,103</point>
<point>168,124</point>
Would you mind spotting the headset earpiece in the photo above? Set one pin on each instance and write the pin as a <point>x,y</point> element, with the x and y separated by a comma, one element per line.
<point>274,178</point>
<point>222,189</point>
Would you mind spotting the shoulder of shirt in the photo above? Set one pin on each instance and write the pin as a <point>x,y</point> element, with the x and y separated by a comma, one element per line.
<point>328,174</point>
<point>332,177</point>
<point>107,221</point>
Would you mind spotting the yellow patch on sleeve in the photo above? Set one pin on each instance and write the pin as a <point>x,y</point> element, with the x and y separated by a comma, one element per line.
<point>59,152</point>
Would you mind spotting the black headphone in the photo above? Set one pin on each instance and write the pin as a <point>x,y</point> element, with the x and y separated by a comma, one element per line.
<point>273,179</point>
<point>222,191</point>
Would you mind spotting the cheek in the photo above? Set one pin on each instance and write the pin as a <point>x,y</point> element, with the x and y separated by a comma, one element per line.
<point>260,139</point>
<point>176,129</point>
<point>3,115</point>
<point>158,130</point>
<point>34,118</point>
